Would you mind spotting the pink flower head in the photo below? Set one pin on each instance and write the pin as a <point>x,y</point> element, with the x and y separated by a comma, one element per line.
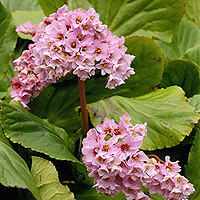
<point>72,41</point>
<point>111,155</point>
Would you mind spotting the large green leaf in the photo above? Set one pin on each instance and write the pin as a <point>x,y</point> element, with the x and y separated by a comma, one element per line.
<point>14,5</point>
<point>183,73</point>
<point>193,10</point>
<point>170,118</point>
<point>152,18</point>
<point>58,101</point>
<point>192,170</point>
<point>47,181</point>
<point>22,16</point>
<point>186,37</point>
<point>84,192</point>
<point>8,39</point>
<point>14,172</point>
<point>57,104</point>
<point>32,132</point>
<point>148,65</point>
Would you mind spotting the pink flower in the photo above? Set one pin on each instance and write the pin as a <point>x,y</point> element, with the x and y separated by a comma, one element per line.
<point>27,28</point>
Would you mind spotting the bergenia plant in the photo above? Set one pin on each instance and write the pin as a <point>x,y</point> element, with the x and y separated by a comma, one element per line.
<point>136,132</point>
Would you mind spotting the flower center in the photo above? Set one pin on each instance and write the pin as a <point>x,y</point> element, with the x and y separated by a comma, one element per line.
<point>73,44</point>
<point>56,49</point>
<point>107,130</point>
<point>78,20</point>
<point>85,27</point>
<point>125,147</point>
<point>98,51</point>
<point>17,85</point>
<point>80,37</point>
<point>84,48</point>
<point>117,131</point>
<point>105,148</point>
<point>60,36</point>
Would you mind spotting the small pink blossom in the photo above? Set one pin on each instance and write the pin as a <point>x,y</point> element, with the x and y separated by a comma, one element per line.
<point>27,28</point>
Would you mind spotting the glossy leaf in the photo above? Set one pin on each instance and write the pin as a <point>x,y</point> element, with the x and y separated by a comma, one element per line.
<point>192,170</point>
<point>186,37</point>
<point>57,104</point>
<point>155,18</point>
<point>14,172</point>
<point>148,66</point>
<point>8,39</point>
<point>193,10</point>
<point>183,73</point>
<point>58,101</point>
<point>170,118</point>
<point>47,181</point>
<point>32,132</point>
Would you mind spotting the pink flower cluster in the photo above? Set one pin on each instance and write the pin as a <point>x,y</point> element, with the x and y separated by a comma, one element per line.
<point>69,41</point>
<point>164,179</point>
<point>112,156</point>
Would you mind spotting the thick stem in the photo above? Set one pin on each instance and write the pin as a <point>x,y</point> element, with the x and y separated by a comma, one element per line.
<point>83,106</point>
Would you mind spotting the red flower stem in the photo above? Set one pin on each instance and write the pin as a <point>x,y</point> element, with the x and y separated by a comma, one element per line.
<point>157,158</point>
<point>83,106</point>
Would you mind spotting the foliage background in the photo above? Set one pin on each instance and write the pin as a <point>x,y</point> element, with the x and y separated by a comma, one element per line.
<point>40,149</point>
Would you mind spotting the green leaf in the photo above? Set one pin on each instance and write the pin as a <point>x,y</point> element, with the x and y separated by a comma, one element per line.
<point>80,174</point>
<point>3,139</point>
<point>57,104</point>
<point>193,10</point>
<point>14,172</point>
<point>195,102</point>
<point>183,73</point>
<point>32,132</point>
<point>155,18</point>
<point>169,117</point>
<point>58,101</point>
<point>22,16</point>
<point>47,181</point>
<point>14,5</point>
<point>148,66</point>
<point>5,82</point>
<point>186,37</point>
<point>193,54</point>
<point>51,6</point>
<point>83,192</point>
<point>192,170</point>
<point>8,39</point>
